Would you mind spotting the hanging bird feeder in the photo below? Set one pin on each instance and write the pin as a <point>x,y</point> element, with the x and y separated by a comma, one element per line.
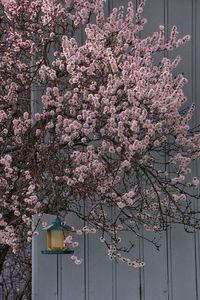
<point>56,235</point>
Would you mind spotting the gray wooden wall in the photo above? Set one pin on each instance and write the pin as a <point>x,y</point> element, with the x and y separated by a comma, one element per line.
<point>174,272</point>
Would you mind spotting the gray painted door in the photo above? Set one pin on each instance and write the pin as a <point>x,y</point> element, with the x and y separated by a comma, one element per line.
<point>173,273</point>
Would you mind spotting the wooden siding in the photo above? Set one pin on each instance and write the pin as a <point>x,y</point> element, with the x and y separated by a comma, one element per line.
<point>173,273</point>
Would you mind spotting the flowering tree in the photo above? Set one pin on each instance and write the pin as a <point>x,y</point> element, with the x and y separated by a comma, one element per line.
<point>111,135</point>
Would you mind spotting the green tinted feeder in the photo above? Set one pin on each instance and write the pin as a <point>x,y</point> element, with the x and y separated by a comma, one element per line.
<point>56,235</point>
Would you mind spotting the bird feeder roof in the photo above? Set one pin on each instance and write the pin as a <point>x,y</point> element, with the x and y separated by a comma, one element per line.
<point>57,225</point>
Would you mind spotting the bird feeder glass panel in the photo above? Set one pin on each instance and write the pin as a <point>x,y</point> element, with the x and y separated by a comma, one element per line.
<point>55,240</point>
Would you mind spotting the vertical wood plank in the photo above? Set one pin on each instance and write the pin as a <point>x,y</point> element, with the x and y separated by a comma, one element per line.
<point>182,244</point>
<point>128,286</point>
<point>196,100</point>
<point>154,278</point>
<point>47,268</point>
<point>74,277</point>
<point>100,271</point>
<point>126,279</point>
<point>168,236</point>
